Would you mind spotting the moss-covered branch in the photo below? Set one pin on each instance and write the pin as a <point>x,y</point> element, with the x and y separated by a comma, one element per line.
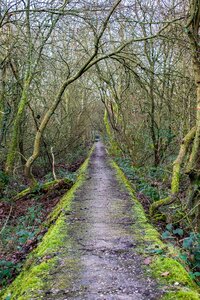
<point>175,173</point>
<point>44,188</point>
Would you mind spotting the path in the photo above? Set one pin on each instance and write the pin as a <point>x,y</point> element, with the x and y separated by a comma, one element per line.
<point>101,261</point>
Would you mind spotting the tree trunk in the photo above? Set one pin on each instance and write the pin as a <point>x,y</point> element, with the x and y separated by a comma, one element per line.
<point>2,103</point>
<point>38,137</point>
<point>175,173</point>
<point>16,128</point>
<point>193,166</point>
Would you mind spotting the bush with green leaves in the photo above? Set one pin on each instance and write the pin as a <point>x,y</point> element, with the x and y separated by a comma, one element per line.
<point>4,180</point>
<point>143,178</point>
<point>7,269</point>
<point>190,246</point>
<point>63,173</point>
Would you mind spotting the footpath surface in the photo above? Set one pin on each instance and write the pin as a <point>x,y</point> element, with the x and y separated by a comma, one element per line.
<point>91,250</point>
<point>100,229</point>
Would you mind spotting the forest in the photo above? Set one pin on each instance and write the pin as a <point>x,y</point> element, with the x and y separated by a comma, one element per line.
<point>75,75</point>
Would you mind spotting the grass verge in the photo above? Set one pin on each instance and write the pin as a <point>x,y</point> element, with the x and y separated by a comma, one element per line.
<point>163,264</point>
<point>33,279</point>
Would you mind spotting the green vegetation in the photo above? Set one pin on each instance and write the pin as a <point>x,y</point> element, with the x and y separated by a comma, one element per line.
<point>163,267</point>
<point>131,77</point>
<point>144,182</point>
<point>33,277</point>
<point>150,181</point>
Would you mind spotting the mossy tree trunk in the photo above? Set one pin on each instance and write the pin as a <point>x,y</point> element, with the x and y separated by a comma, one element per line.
<point>192,169</point>
<point>16,126</point>
<point>2,102</point>
<point>91,61</point>
<point>32,62</point>
<point>176,172</point>
<point>14,144</point>
<point>114,147</point>
<point>193,166</point>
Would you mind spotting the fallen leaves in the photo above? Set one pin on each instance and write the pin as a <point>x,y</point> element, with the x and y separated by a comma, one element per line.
<point>148,261</point>
<point>165,274</point>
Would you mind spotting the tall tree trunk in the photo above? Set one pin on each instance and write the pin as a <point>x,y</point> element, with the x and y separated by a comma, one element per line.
<point>193,166</point>
<point>16,127</point>
<point>193,137</point>
<point>2,103</point>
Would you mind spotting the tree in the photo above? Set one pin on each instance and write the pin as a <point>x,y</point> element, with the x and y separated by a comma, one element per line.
<point>33,56</point>
<point>190,147</point>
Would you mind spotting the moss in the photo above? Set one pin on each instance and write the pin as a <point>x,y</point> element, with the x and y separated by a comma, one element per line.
<point>114,149</point>
<point>176,271</point>
<point>181,295</point>
<point>11,156</point>
<point>44,187</point>
<point>143,229</point>
<point>30,190</point>
<point>22,194</point>
<point>159,217</point>
<point>154,206</point>
<point>64,203</point>
<point>29,283</point>
<point>175,178</point>
<point>32,280</point>
<point>148,240</point>
<point>53,240</point>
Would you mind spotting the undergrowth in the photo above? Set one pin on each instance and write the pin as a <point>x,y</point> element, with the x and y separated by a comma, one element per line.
<point>190,248</point>
<point>152,183</point>
<point>15,235</point>
<point>21,226</point>
<point>21,222</point>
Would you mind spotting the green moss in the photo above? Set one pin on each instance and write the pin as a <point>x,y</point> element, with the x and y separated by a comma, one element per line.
<point>53,240</point>
<point>16,126</point>
<point>176,271</point>
<point>148,240</point>
<point>30,283</point>
<point>40,187</point>
<point>113,148</point>
<point>175,178</point>
<point>29,190</point>
<point>65,203</point>
<point>143,229</point>
<point>155,205</point>
<point>159,217</point>
<point>181,295</point>
<point>22,193</point>
<point>32,280</point>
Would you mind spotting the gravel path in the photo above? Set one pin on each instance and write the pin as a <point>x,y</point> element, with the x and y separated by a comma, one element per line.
<point>101,262</point>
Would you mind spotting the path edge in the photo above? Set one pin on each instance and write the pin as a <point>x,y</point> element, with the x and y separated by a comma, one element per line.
<point>32,279</point>
<point>178,284</point>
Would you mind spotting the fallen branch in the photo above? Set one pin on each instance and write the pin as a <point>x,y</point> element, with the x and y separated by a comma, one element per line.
<point>44,188</point>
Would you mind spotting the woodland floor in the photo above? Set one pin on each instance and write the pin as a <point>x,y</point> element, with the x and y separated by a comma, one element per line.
<point>105,265</point>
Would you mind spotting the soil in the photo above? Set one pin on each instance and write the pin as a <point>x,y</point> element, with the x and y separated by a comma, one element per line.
<point>101,261</point>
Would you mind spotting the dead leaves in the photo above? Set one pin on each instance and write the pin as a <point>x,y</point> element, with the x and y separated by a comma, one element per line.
<point>165,274</point>
<point>147,261</point>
